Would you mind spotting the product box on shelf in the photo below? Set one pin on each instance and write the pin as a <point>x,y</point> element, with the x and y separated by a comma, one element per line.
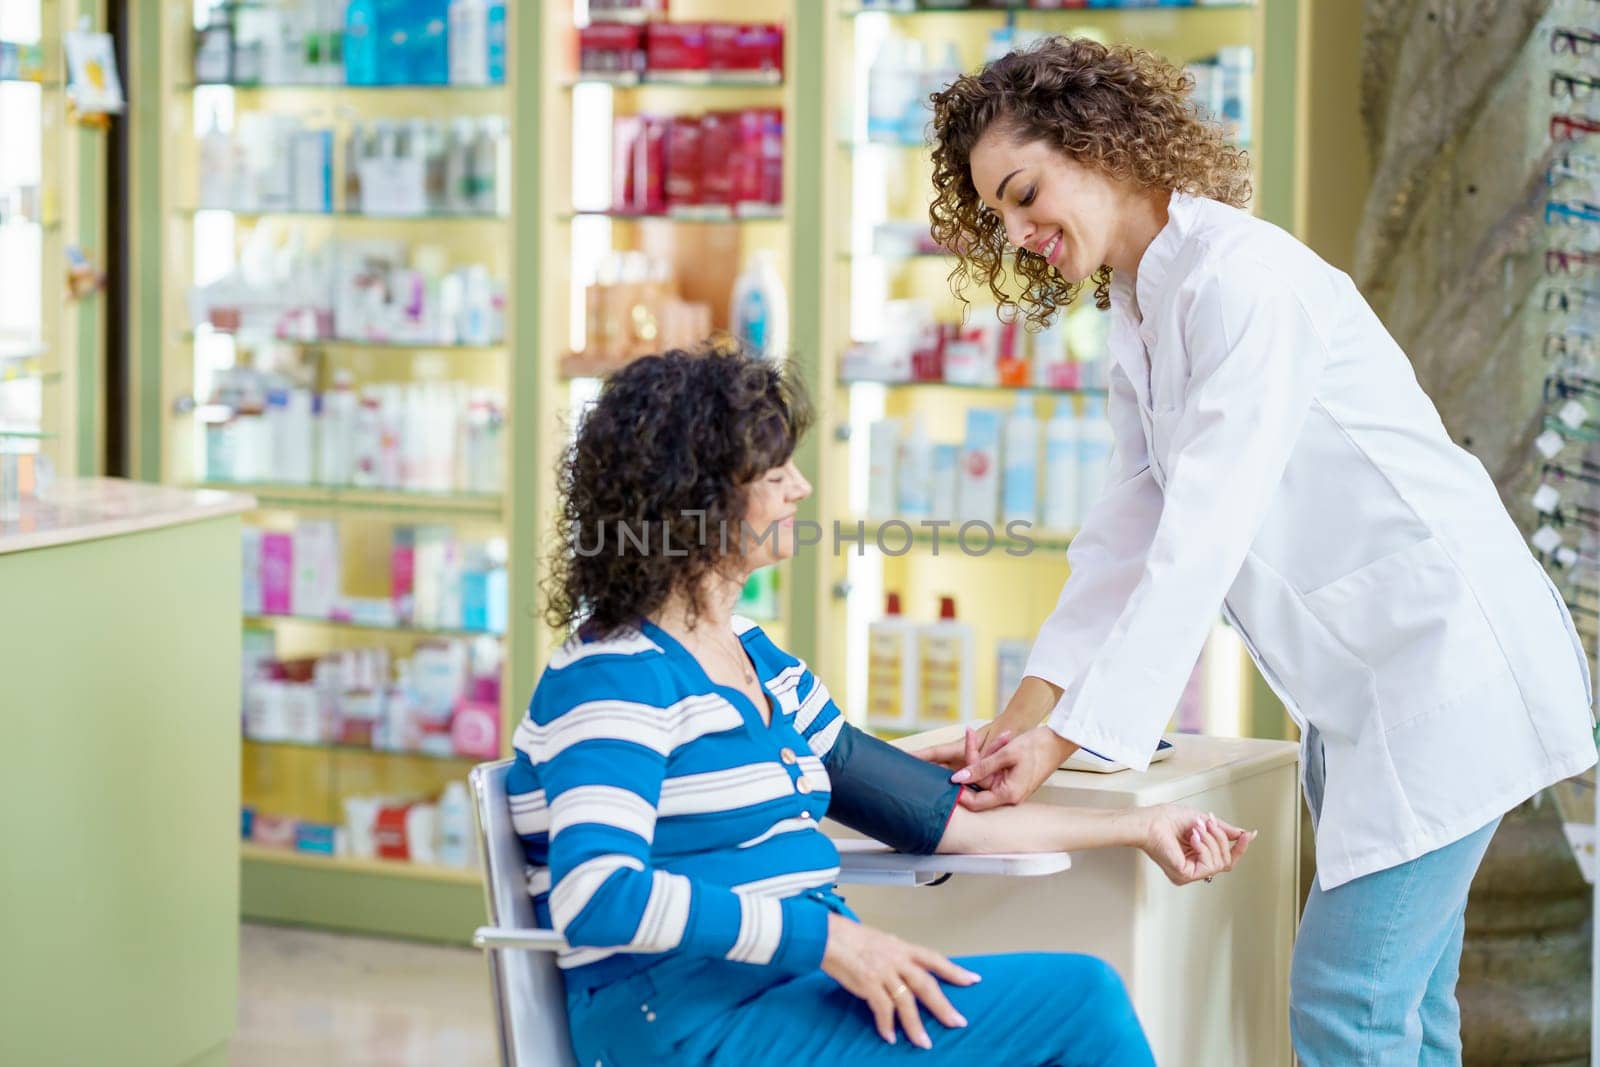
<point>712,165</point>
<point>677,46</point>
<point>627,10</point>
<point>611,49</point>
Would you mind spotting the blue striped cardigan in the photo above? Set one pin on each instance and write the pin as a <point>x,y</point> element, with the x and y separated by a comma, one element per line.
<point>660,815</point>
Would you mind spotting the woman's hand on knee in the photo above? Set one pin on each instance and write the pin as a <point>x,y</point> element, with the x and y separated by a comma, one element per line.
<point>1189,845</point>
<point>892,976</point>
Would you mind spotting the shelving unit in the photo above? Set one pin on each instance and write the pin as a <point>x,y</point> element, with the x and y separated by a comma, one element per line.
<point>547,244</point>
<point>185,240</point>
<point>872,180</point>
<point>51,192</point>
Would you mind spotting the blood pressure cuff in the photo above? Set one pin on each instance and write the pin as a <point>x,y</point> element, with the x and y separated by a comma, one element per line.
<point>887,794</point>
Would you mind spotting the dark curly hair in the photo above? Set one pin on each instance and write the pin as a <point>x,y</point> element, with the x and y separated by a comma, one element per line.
<point>1120,109</point>
<point>671,434</point>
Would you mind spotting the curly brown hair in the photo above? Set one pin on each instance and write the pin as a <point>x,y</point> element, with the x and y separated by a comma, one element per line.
<point>1120,109</point>
<point>666,453</point>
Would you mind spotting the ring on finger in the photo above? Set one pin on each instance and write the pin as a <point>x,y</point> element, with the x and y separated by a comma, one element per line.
<point>896,994</point>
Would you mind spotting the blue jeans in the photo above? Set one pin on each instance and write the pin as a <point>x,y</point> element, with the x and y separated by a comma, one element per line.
<point>1376,962</point>
<point>1030,1010</point>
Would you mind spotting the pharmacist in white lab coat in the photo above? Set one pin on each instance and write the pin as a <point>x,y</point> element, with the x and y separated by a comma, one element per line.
<point>1276,459</point>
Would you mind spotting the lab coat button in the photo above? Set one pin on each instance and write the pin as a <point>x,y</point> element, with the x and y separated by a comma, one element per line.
<point>787,755</point>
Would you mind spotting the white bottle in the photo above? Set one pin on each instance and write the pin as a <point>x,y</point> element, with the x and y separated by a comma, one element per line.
<point>1061,473</point>
<point>892,670</point>
<point>883,457</point>
<point>980,467</point>
<point>336,434</point>
<point>947,482</point>
<point>299,438</point>
<point>891,85</point>
<point>760,312</point>
<point>216,166</point>
<point>469,42</point>
<point>1094,453</point>
<point>1010,666</point>
<point>945,652</point>
<point>1020,491</point>
<point>455,826</point>
<point>914,479</point>
<point>367,442</point>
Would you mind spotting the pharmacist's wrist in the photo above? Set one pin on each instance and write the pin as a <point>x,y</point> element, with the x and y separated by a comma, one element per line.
<point>1031,704</point>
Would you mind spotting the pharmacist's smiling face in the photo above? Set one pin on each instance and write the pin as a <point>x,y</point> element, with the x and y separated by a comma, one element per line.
<point>770,504</point>
<point>1049,203</point>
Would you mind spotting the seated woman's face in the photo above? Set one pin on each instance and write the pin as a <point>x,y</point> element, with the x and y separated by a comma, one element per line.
<point>770,504</point>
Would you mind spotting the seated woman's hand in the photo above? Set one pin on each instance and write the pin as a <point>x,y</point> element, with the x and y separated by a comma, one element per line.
<point>892,975</point>
<point>1189,845</point>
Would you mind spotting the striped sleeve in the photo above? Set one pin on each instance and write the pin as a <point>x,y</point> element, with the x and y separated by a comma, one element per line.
<point>602,759</point>
<point>818,719</point>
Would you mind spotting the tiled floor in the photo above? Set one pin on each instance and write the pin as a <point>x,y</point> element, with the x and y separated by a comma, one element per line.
<point>309,999</point>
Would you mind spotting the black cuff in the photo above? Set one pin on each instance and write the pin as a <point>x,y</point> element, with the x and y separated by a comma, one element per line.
<point>888,794</point>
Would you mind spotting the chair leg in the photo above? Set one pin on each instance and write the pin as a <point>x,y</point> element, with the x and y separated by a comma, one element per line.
<point>502,1020</point>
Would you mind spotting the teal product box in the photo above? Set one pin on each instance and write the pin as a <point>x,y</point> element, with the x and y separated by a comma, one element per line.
<point>314,837</point>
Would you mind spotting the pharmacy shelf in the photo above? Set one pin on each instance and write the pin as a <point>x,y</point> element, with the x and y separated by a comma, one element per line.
<point>357,216</point>
<point>1010,390</point>
<point>365,627</point>
<point>681,80</point>
<point>894,533</point>
<point>979,7</point>
<point>691,215</point>
<point>280,495</point>
<point>360,750</point>
<point>325,87</point>
<point>249,850</point>
<point>350,342</point>
<point>19,434</point>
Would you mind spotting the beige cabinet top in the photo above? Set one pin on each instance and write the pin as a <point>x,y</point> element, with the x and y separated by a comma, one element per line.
<point>1197,764</point>
<point>84,509</point>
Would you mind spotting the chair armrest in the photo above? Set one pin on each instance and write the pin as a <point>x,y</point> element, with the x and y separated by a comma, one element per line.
<point>863,862</point>
<point>506,937</point>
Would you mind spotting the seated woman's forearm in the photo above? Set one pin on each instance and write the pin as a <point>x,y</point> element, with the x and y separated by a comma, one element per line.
<point>1043,828</point>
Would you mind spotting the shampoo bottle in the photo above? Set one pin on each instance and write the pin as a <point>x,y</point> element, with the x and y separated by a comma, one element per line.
<point>945,658</point>
<point>1061,468</point>
<point>883,456</point>
<point>1020,493</point>
<point>892,670</point>
<point>1094,454</point>
<point>760,312</point>
<point>980,467</point>
<point>914,488</point>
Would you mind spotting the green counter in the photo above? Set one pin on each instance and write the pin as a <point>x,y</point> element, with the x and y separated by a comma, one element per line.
<point>119,777</point>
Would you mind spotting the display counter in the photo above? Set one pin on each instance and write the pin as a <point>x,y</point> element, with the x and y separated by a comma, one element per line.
<point>1207,965</point>
<point>119,775</point>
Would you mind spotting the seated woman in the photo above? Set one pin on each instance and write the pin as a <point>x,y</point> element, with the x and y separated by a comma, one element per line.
<point>675,764</point>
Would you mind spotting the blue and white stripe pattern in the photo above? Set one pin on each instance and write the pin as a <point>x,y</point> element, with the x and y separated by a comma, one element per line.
<point>660,815</point>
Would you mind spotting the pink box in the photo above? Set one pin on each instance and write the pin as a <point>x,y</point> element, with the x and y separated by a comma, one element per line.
<point>683,162</point>
<point>650,167</point>
<point>403,572</point>
<point>719,155</point>
<point>626,136</point>
<point>277,573</point>
<point>475,729</point>
<point>611,48</point>
<point>671,46</point>
<point>744,47</point>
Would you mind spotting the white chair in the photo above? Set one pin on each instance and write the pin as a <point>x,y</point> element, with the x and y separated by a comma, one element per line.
<point>530,1000</point>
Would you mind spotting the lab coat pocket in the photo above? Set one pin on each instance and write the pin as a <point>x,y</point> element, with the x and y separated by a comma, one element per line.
<point>1412,619</point>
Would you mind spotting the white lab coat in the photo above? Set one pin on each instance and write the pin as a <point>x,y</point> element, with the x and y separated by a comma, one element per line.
<point>1275,457</point>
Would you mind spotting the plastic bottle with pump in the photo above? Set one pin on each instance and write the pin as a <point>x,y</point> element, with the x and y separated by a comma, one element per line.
<point>760,312</point>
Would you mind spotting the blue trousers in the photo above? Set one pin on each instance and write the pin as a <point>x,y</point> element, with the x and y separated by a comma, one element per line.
<point>1030,1010</point>
<point>1374,977</point>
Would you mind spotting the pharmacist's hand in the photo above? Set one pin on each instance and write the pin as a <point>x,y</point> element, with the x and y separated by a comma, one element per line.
<point>1015,771</point>
<point>892,976</point>
<point>1189,845</point>
<point>975,745</point>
